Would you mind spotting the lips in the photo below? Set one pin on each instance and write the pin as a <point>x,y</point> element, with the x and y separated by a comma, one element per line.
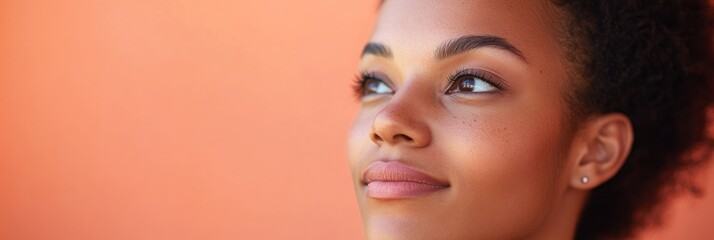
<point>394,180</point>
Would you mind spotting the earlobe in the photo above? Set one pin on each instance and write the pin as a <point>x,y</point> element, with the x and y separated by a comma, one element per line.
<point>607,141</point>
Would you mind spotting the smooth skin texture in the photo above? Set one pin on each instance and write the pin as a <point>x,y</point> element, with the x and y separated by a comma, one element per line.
<point>513,163</point>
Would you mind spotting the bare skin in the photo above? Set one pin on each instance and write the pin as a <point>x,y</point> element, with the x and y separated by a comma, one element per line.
<point>493,143</point>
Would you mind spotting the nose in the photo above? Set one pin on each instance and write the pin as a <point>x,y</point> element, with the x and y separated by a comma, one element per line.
<point>401,122</point>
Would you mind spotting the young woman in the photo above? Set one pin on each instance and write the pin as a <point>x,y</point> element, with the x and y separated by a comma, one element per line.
<point>493,119</point>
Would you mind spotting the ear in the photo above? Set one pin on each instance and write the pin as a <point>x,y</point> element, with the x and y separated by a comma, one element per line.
<point>604,143</point>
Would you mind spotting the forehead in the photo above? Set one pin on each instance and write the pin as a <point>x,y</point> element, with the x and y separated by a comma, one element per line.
<point>411,26</point>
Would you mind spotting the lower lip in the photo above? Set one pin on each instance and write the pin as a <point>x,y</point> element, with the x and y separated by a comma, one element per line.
<point>397,190</point>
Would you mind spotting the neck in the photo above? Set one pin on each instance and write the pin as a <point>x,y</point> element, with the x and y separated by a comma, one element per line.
<point>562,221</point>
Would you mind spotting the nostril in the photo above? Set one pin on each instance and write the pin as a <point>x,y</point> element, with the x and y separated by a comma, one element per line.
<point>376,138</point>
<point>403,137</point>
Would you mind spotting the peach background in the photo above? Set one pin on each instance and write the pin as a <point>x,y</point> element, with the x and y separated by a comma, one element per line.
<point>214,119</point>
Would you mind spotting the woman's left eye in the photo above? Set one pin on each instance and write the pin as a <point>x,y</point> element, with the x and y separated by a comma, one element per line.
<point>470,84</point>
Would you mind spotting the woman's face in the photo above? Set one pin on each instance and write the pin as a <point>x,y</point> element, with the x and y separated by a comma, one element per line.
<point>461,133</point>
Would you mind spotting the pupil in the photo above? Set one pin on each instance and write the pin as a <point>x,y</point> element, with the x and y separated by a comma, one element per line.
<point>467,85</point>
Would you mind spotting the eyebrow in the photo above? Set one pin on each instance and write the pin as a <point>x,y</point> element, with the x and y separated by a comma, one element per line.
<point>467,43</point>
<point>453,47</point>
<point>377,49</point>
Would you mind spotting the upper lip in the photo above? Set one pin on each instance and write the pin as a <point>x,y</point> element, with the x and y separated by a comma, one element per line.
<point>395,171</point>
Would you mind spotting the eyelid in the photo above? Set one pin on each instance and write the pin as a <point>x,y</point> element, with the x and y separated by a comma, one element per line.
<point>364,76</point>
<point>484,75</point>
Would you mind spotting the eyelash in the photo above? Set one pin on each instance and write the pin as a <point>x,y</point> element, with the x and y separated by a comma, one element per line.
<point>359,82</point>
<point>486,77</point>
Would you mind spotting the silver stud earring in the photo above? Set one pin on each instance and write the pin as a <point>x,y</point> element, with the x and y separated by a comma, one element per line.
<point>585,180</point>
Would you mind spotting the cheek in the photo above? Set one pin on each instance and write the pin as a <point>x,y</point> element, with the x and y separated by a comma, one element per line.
<point>358,142</point>
<point>358,147</point>
<point>507,166</point>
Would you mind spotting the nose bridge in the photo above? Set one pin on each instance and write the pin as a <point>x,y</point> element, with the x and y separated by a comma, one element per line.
<point>414,93</point>
<point>402,120</point>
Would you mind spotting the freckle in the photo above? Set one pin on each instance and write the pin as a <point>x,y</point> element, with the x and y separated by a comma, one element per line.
<point>541,71</point>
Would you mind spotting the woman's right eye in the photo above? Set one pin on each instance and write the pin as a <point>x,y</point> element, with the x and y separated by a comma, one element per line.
<point>376,86</point>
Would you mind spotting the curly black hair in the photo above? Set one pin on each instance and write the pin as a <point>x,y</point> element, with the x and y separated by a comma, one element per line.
<point>650,60</point>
